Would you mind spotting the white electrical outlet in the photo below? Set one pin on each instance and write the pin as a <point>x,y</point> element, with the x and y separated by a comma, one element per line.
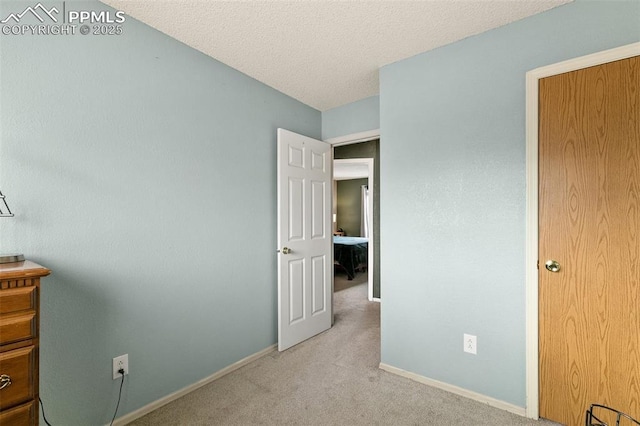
<point>471,344</point>
<point>120,362</point>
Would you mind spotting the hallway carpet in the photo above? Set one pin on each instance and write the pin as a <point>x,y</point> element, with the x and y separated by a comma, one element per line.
<point>331,379</point>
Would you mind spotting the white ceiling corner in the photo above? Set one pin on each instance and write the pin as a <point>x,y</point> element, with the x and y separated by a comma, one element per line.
<point>323,53</point>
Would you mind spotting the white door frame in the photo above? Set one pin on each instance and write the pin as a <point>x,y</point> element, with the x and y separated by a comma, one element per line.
<point>369,135</point>
<point>531,269</point>
<point>365,136</point>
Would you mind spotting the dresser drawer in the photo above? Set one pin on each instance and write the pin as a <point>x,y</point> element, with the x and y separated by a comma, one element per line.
<point>17,299</point>
<point>14,328</point>
<point>22,415</point>
<point>19,365</point>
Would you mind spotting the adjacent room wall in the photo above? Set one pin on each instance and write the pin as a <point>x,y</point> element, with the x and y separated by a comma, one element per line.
<point>356,117</point>
<point>349,200</point>
<point>453,193</point>
<point>142,173</point>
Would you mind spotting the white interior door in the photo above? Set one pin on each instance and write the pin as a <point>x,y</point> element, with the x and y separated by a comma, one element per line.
<point>305,255</point>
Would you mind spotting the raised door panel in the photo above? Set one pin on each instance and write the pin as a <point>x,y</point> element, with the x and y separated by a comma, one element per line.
<point>318,210</point>
<point>296,291</point>
<point>296,209</point>
<point>319,282</point>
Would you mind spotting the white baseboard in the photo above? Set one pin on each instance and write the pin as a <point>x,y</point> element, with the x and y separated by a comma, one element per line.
<point>128,418</point>
<point>521,411</point>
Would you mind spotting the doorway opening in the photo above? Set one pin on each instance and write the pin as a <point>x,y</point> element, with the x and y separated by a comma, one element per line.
<point>355,214</point>
<point>353,223</point>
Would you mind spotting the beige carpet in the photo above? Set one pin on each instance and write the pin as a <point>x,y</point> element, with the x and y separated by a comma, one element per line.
<point>331,379</point>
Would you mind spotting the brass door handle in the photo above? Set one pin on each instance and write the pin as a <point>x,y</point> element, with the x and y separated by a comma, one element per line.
<point>552,266</point>
<point>286,250</point>
<point>5,381</point>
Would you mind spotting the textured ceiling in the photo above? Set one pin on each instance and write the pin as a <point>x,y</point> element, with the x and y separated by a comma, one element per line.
<point>323,53</point>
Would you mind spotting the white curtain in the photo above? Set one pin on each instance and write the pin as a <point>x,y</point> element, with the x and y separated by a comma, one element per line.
<point>364,223</point>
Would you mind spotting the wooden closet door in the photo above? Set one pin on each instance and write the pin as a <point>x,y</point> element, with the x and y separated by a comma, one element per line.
<point>589,218</point>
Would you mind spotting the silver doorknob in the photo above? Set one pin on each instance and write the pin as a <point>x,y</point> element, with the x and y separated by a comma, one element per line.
<point>286,250</point>
<point>552,266</point>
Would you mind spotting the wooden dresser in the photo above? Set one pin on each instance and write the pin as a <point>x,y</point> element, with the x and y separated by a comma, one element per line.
<point>19,338</point>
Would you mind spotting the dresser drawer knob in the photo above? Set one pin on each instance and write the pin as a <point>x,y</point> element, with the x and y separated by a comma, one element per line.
<point>5,381</point>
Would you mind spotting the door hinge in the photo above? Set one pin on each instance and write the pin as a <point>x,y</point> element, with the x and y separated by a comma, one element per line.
<point>538,264</point>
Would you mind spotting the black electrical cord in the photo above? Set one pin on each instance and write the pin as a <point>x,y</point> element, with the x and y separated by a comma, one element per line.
<point>42,408</point>
<point>121,371</point>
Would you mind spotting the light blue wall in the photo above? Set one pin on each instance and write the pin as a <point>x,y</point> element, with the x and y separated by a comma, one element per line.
<point>453,193</point>
<point>352,118</point>
<point>142,173</point>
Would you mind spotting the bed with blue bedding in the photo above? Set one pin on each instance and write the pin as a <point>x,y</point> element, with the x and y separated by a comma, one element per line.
<point>351,253</point>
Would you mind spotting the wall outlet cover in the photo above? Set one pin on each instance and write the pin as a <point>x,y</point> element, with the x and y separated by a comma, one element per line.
<point>119,362</point>
<point>470,344</point>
